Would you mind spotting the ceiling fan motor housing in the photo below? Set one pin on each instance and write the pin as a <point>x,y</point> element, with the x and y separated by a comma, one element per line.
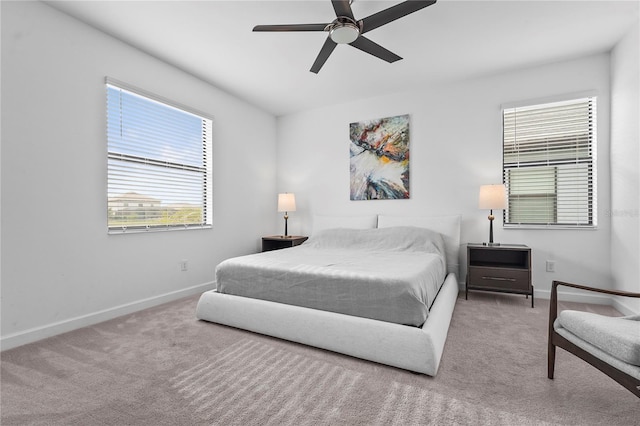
<point>344,31</point>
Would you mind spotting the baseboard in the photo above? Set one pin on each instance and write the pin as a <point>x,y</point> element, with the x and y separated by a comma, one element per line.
<point>622,307</point>
<point>583,297</point>
<point>569,296</point>
<point>50,330</point>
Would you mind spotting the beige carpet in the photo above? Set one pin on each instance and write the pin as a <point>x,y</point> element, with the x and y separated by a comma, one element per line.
<point>163,367</point>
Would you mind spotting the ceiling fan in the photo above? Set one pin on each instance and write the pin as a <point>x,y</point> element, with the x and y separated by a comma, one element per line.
<point>346,30</point>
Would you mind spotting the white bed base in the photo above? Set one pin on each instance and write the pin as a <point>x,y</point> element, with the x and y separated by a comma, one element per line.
<point>411,348</point>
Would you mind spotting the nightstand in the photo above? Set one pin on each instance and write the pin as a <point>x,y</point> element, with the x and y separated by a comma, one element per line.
<point>505,268</point>
<point>277,242</point>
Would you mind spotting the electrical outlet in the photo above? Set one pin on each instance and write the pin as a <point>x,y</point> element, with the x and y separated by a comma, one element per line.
<point>183,265</point>
<point>551,265</point>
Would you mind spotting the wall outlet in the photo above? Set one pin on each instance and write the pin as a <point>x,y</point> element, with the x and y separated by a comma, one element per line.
<point>551,265</point>
<point>183,265</point>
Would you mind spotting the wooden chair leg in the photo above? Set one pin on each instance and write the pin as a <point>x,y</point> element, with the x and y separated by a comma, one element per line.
<point>553,314</point>
<point>551,361</point>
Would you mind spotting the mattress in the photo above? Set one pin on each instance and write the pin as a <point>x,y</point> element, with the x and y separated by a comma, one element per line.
<point>388,274</point>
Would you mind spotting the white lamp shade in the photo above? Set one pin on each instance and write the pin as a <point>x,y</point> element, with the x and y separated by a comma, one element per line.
<point>286,202</point>
<point>492,197</point>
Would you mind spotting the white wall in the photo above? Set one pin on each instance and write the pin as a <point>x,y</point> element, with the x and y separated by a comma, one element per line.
<point>60,269</point>
<point>456,145</point>
<point>625,167</point>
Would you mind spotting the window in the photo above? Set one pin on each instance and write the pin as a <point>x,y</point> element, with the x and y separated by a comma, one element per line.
<point>549,164</point>
<point>159,163</point>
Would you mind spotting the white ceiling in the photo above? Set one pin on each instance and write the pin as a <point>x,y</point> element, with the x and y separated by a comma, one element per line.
<point>449,40</point>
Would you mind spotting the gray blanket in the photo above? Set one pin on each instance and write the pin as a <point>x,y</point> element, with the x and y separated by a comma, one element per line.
<point>388,274</point>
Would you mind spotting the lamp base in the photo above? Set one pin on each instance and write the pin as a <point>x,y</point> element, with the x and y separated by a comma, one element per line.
<point>286,219</point>
<point>491,243</point>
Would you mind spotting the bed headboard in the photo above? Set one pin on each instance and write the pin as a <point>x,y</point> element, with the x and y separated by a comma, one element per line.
<point>448,226</point>
<point>321,222</point>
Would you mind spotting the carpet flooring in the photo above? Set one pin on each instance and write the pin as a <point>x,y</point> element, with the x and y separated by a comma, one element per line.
<point>161,366</point>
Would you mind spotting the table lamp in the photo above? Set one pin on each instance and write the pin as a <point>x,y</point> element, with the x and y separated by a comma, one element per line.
<point>492,197</point>
<point>286,203</point>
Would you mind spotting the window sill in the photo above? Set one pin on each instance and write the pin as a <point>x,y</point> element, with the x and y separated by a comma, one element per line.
<point>143,230</point>
<point>552,227</point>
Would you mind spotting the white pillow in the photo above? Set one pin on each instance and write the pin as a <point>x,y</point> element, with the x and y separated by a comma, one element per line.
<point>321,223</point>
<point>448,226</point>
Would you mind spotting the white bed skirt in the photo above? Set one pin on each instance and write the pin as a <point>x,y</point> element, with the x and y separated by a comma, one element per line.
<point>411,348</point>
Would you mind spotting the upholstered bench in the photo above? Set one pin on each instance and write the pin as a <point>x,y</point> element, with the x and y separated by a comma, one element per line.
<point>611,344</point>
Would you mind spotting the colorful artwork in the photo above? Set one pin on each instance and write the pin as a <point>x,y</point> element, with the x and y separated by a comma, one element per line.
<point>380,158</point>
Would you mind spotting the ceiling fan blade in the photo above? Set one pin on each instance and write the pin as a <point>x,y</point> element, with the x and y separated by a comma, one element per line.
<point>291,27</point>
<point>374,49</point>
<point>343,8</point>
<point>326,50</point>
<point>391,14</point>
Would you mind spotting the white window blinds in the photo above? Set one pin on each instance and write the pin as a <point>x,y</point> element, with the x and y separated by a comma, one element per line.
<point>549,164</point>
<point>159,161</point>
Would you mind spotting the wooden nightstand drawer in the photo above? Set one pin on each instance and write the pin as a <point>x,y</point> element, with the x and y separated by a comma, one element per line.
<point>502,268</point>
<point>499,278</point>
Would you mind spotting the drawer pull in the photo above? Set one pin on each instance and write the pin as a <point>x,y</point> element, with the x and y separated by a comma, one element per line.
<point>498,279</point>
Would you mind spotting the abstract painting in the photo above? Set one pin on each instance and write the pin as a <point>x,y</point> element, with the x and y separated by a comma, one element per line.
<point>379,158</point>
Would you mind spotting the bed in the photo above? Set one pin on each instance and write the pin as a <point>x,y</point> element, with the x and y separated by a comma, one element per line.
<point>423,285</point>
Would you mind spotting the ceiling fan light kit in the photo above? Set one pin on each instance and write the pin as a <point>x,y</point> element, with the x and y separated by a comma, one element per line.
<point>344,33</point>
<point>346,30</point>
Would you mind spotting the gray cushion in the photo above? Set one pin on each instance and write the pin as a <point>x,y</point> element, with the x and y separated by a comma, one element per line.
<point>617,336</point>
